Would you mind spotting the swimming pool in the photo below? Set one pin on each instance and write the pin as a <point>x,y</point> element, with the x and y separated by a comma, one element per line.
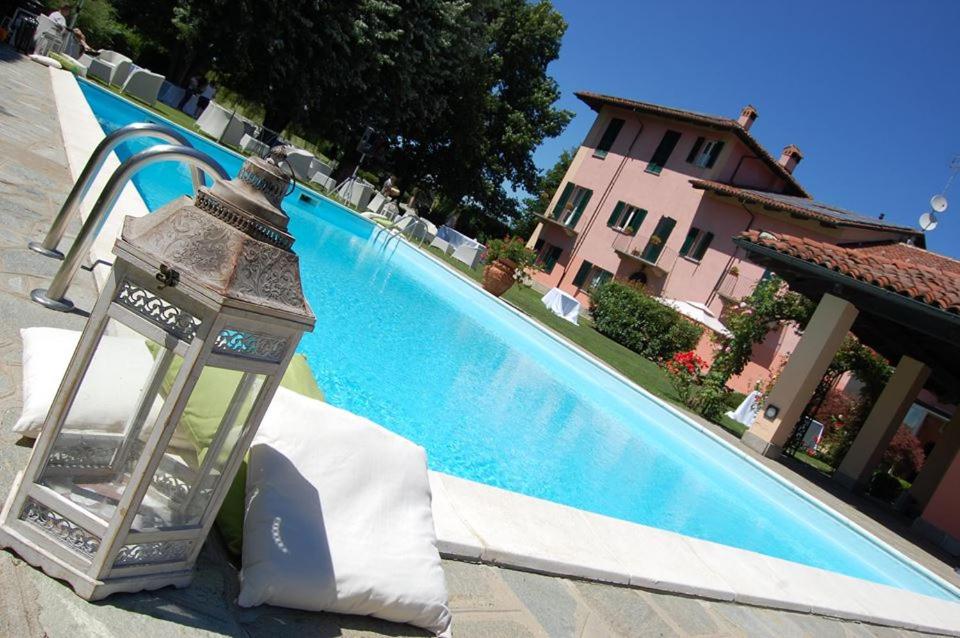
<point>494,399</point>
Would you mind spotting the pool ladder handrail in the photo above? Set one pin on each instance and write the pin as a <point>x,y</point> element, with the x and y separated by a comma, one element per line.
<point>54,297</point>
<point>393,233</point>
<point>90,172</point>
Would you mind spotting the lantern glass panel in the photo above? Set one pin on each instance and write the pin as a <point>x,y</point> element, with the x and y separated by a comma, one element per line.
<point>214,419</point>
<point>108,422</point>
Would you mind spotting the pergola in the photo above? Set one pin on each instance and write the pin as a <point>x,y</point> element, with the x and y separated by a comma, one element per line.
<point>900,300</point>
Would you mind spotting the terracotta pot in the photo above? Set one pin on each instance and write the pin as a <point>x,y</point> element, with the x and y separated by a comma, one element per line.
<point>498,276</point>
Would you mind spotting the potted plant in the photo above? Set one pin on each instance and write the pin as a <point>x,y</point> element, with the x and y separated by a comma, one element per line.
<point>734,271</point>
<point>506,262</point>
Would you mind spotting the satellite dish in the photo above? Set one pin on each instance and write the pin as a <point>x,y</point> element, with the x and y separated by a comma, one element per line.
<point>928,221</point>
<point>938,203</point>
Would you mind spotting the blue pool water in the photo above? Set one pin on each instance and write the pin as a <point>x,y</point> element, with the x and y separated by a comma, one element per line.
<point>494,399</point>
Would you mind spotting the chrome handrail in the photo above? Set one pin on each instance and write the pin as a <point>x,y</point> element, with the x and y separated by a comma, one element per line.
<point>54,297</point>
<point>48,246</point>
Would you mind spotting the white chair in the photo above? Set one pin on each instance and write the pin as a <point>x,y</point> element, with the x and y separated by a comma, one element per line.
<point>323,181</point>
<point>469,255</point>
<point>237,127</point>
<point>49,36</point>
<point>224,126</point>
<point>107,67</point>
<point>171,94</point>
<point>252,145</point>
<point>302,163</point>
<point>376,203</point>
<point>144,86</point>
<point>441,244</point>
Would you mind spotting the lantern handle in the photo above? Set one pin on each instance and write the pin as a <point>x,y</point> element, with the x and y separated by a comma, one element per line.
<point>54,297</point>
<point>88,175</point>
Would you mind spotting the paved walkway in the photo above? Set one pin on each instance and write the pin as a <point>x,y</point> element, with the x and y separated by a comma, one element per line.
<point>487,601</point>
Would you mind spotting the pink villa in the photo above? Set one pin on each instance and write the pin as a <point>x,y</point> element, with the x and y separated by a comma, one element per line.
<point>656,195</point>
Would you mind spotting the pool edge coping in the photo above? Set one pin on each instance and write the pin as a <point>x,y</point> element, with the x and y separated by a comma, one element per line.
<point>454,547</point>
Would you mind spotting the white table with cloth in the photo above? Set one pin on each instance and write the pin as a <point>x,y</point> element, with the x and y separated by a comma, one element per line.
<point>456,238</point>
<point>562,305</point>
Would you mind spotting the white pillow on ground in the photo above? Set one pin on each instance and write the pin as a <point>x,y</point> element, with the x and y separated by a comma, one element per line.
<point>108,394</point>
<point>338,518</point>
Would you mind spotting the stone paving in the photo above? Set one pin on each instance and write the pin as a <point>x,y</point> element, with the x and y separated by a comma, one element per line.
<point>487,602</point>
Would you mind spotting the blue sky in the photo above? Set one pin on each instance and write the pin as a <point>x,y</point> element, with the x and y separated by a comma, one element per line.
<point>869,91</point>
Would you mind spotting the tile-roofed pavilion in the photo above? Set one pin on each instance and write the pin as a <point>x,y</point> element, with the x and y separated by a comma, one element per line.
<point>902,301</point>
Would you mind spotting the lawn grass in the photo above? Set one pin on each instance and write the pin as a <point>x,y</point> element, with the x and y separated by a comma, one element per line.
<point>642,371</point>
<point>815,463</point>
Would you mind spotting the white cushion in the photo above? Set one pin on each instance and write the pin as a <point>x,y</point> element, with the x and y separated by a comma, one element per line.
<point>108,394</point>
<point>339,519</point>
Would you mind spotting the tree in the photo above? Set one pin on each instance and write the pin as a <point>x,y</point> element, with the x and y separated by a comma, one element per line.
<point>904,456</point>
<point>458,89</point>
<point>769,306</point>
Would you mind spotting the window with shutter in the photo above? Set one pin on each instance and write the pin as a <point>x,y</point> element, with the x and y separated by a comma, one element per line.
<point>705,154</point>
<point>688,241</point>
<point>714,154</point>
<point>695,151</point>
<point>662,154</point>
<point>551,257</point>
<point>658,240</point>
<point>582,197</point>
<point>695,244</point>
<point>562,202</point>
<point>626,217</point>
<point>582,274</point>
<point>636,220</point>
<point>702,246</point>
<point>614,220</point>
<point>609,137</point>
<point>598,277</point>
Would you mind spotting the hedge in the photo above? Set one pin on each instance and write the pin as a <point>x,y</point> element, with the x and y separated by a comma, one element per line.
<point>631,317</point>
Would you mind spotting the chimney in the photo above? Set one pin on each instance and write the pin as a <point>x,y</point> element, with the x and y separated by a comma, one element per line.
<point>747,117</point>
<point>790,157</point>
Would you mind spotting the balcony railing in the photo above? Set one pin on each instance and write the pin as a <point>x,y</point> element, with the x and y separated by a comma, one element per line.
<point>641,249</point>
<point>735,288</point>
<point>562,223</point>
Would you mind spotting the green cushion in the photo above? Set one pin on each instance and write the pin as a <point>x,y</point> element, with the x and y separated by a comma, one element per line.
<point>201,418</point>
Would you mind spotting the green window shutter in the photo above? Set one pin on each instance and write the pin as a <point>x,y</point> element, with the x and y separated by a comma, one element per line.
<point>714,154</point>
<point>582,274</point>
<point>662,154</point>
<point>582,205</point>
<point>550,258</point>
<point>638,216</point>
<point>701,249</point>
<point>615,216</point>
<point>602,277</point>
<point>664,227</point>
<point>688,241</point>
<point>609,137</point>
<point>696,149</point>
<point>564,196</point>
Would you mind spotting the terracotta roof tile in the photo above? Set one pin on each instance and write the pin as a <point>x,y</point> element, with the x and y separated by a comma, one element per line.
<point>802,207</point>
<point>901,268</point>
<point>597,100</point>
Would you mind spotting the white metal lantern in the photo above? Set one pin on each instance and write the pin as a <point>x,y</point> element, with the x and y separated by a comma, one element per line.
<point>124,504</point>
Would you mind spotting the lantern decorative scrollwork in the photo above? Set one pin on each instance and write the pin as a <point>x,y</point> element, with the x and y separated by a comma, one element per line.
<point>200,290</point>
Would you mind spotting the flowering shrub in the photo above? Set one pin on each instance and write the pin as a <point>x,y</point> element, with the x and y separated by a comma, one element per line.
<point>685,371</point>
